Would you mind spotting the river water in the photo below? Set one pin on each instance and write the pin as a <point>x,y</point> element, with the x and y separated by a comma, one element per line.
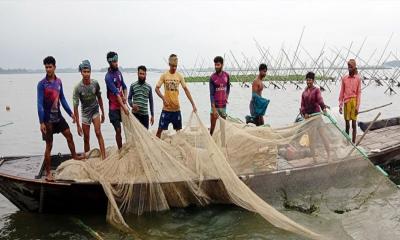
<point>21,136</point>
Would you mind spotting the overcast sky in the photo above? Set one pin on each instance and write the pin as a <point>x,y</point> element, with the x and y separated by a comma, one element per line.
<point>145,32</point>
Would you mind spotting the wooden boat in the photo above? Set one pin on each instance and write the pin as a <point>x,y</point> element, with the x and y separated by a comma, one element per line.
<point>21,181</point>
<point>380,124</point>
<point>382,142</point>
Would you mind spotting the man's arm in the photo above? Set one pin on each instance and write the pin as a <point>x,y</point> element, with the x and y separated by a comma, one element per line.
<point>302,106</point>
<point>130,95</point>
<point>100,101</point>
<point>40,108</point>
<point>341,94</point>
<point>228,88</point>
<point>358,95</point>
<point>187,92</point>
<point>212,94</point>
<point>320,100</point>
<point>151,103</point>
<point>124,90</point>
<point>75,102</point>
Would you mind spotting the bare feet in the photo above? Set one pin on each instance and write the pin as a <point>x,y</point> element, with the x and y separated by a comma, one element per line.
<point>49,177</point>
<point>79,157</point>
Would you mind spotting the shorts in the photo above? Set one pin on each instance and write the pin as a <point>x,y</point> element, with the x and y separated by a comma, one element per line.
<point>143,119</point>
<point>221,112</point>
<point>87,117</point>
<point>115,118</point>
<point>350,109</point>
<point>54,128</point>
<point>170,117</point>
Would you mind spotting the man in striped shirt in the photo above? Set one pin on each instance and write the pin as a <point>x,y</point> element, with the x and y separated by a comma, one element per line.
<point>140,96</point>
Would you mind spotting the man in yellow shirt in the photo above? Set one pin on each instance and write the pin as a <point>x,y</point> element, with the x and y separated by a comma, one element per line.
<point>171,80</point>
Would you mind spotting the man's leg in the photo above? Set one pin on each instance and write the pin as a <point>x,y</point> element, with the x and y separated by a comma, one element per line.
<point>354,127</point>
<point>213,121</point>
<point>86,137</point>
<point>118,137</point>
<point>347,126</point>
<point>47,160</point>
<point>97,130</point>
<point>71,145</point>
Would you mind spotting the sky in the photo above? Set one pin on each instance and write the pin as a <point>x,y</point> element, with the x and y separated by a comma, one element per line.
<point>146,32</point>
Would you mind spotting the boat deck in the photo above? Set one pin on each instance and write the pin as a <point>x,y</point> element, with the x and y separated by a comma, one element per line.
<point>383,145</point>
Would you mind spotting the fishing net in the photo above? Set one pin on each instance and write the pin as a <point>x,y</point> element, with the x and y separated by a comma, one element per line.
<point>309,171</point>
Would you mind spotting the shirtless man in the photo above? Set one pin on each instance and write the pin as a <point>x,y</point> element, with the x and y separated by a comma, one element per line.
<point>258,104</point>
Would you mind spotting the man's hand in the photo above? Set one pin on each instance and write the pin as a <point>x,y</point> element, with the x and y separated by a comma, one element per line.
<point>135,107</point>
<point>152,120</point>
<point>125,109</point>
<point>73,118</point>
<point>102,118</point>
<point>165,103</point>
<point>80,132</point>
<point>306,116</point>
<point>356,112</point>
<point>43,128</point>
<point>194,108</point>
<point>214,113</point>
<point>341,110</point>
<point>324,110</point>
<point>124,99</point>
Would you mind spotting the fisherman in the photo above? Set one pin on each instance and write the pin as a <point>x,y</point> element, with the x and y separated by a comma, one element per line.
<point>350,96</point>
<point>219,92</point>
<point>87,91</point>
<point>312,103</point>
<point>49,95</point>
<point>258,104</point>
<point>116,94</point>
<point>140,97</point>
<point>171,80</point>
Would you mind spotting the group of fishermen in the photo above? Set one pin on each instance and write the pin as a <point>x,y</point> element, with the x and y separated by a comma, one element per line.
<point>140,99</point>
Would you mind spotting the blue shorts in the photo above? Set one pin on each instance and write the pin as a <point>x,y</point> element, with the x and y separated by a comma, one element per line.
<point>115,118</point>
<point>170,117</point>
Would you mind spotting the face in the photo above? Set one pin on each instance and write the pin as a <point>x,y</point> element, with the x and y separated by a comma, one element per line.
<point>114,64</point>
<point>310,82</point>
<point>351,69</point>
<point>218,67</point>
<point>50,68</point>
<point>85,73</point>
<point>141,75</point>
<point>172,68</point>
<point>263,73</point>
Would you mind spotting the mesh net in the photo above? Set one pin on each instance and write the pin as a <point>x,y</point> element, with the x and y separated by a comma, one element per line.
<point>309,171</point>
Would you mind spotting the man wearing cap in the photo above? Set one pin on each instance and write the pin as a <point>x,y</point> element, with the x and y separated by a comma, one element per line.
<point>87,91</point>
<point>349,97</point>
<point>116,94</point>
<point>171,80</point>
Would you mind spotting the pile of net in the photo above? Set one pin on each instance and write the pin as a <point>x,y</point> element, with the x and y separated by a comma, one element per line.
<point>309,171</point>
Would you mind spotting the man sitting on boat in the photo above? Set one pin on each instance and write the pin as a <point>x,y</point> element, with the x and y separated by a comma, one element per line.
<point>350,96</point>
<point>87,91</point>
<point>258,104</point>
<point>49,95</point>
<point>311,104</point>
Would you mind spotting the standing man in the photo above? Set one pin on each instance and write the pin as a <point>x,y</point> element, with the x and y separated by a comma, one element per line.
<point>350,97</point>
<point>140,96</point>
<point>258,104</point>
<point>219,92</point>
<point>49,95</point>
<point>312,102</point>
<point>88,93</point>
<point>116,94</point>
<point>171,110</point>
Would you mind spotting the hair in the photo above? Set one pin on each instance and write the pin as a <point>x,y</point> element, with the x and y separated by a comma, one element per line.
<point>143,68</point>
<point>111,55</point>
<point>262,66</point>
<point>310,75</point>
<point>218,59</point>
<point>49,60</point>
<point>172,55</point>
